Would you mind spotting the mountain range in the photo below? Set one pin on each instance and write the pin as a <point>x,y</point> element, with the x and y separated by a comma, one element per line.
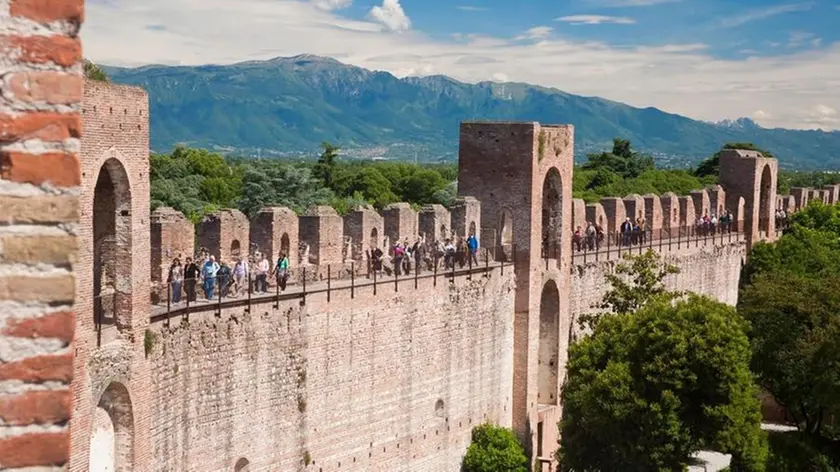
<point>289,106</point>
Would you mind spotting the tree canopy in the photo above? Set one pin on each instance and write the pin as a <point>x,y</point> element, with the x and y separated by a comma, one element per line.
<point>197,181</point>
<point>790,297</point>
<point>647,389</point>
<point>494,449</point>
<point>94,72</point>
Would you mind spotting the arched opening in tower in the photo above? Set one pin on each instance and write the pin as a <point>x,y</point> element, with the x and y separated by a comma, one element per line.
<point>285,244</point>
<point>765,207</point>
<point>241,465</point>
<point>505,236</point>
<point>112,432</point>
<point>112,278</point>
<point>552,214</point>
<point>374,239</point>
<point>549,349</point>
<point>235,249</point>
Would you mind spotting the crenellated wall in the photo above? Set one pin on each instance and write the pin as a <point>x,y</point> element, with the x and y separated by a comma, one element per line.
<point>388,382</point>
<point>357,379</point>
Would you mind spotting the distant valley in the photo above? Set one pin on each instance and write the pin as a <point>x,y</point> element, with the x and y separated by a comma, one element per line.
<point>288,106</point>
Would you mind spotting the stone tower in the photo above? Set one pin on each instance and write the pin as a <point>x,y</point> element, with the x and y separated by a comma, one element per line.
<point>522,174</point>
<point>749,180</point>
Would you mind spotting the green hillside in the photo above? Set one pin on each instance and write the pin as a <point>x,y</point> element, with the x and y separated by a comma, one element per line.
<point>288,106</point>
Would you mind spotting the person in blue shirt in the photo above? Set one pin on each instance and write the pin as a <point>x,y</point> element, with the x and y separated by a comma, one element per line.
<point>472,243</point>
<point>208,273</point>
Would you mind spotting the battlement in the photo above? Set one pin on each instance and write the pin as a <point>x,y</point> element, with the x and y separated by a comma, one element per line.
<point>351,317</point>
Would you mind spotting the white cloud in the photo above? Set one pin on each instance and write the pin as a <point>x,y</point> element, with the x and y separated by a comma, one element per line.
<point>391,15</point>
<point>470,8</point>
<point>678,78</point>
<point>596,19</point>
<point>760,115</point>
<point>537,32</point>
<point>762,13</point>
<point>332,4</point>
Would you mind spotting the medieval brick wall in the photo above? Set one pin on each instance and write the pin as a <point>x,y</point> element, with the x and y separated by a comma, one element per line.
<point>713,271</point>
<point>377,383</point>
<point>113,274</point>
<point>40,97</point>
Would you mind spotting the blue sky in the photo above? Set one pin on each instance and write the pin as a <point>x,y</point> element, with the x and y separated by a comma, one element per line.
<point>777,62</point>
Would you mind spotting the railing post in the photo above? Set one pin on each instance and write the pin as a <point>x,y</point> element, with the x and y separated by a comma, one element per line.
<point>276,293</point>
<point>249,290</point>
<point>187,310</point>
<point>374,282</point>
<point>434,277</point>
<point>303,301</point>
<point>502,264</point>
<point>453,269</point>
<point>219,306</point>
<point>486,262</point>
<point>168,301</point>
<point>352,279</point>
<point>679,237</point>
<point>469,264</point>
<point>396,279</point>
<point>329,284</point>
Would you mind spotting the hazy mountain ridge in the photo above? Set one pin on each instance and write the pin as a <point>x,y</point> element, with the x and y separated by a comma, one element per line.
<point>287,106</point>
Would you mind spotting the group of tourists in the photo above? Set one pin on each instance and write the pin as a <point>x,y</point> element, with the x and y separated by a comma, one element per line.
<point>424,255</point>
<point>215,275</point>
<point>636,232</point>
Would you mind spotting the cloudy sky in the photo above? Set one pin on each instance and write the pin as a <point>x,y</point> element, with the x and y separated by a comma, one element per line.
<point>774,61</point>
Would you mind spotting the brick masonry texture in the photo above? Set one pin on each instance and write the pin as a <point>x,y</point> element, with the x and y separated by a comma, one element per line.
<point>353,382</point>
<point>41,83</point>
<point>115,155</point>
<point>389,382</point>
<point>711,270</point>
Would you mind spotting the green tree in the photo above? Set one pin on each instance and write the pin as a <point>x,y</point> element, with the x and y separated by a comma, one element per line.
<point>420,187</point>
<point>790,297</point>
<point>373,186</point>
<point>635,282</point>
<point>494,449</point>
<point>325,168</point>
<point>796,344</point>
<point>94,72</point>
<point>646,390</point>
<point>281,186</point>
<point>623,160</point>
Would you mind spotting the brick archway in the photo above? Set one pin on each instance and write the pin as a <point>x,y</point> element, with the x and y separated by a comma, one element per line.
<point>112,247</point>
<point>242,465</point>
<point>552,213</point>
<point>112,432</point>
<point>765,205</point>
<point>548,357</point>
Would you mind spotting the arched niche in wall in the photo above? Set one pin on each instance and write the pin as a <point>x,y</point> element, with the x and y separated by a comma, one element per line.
<point>112,247</point>
<point>112,432</point>
<point>765,205</point>
<point>242,465</point>
<point>549,345</point>
<point>285,244</point>
<point>552,213</point>
<point>373,242</point>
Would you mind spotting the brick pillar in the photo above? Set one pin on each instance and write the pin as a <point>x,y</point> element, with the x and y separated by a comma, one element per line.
<point>37,239</point>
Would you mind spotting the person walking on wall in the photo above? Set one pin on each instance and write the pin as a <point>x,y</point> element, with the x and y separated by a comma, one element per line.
<point>191,274</point>
<point>240,275</point>
<point>281,270</point>
<point>175,280</point>
<point>261,285</point>
<point>472,244</point>
<point>208,273</point>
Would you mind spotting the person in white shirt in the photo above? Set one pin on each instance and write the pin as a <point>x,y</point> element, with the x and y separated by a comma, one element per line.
<point>261,284</point>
